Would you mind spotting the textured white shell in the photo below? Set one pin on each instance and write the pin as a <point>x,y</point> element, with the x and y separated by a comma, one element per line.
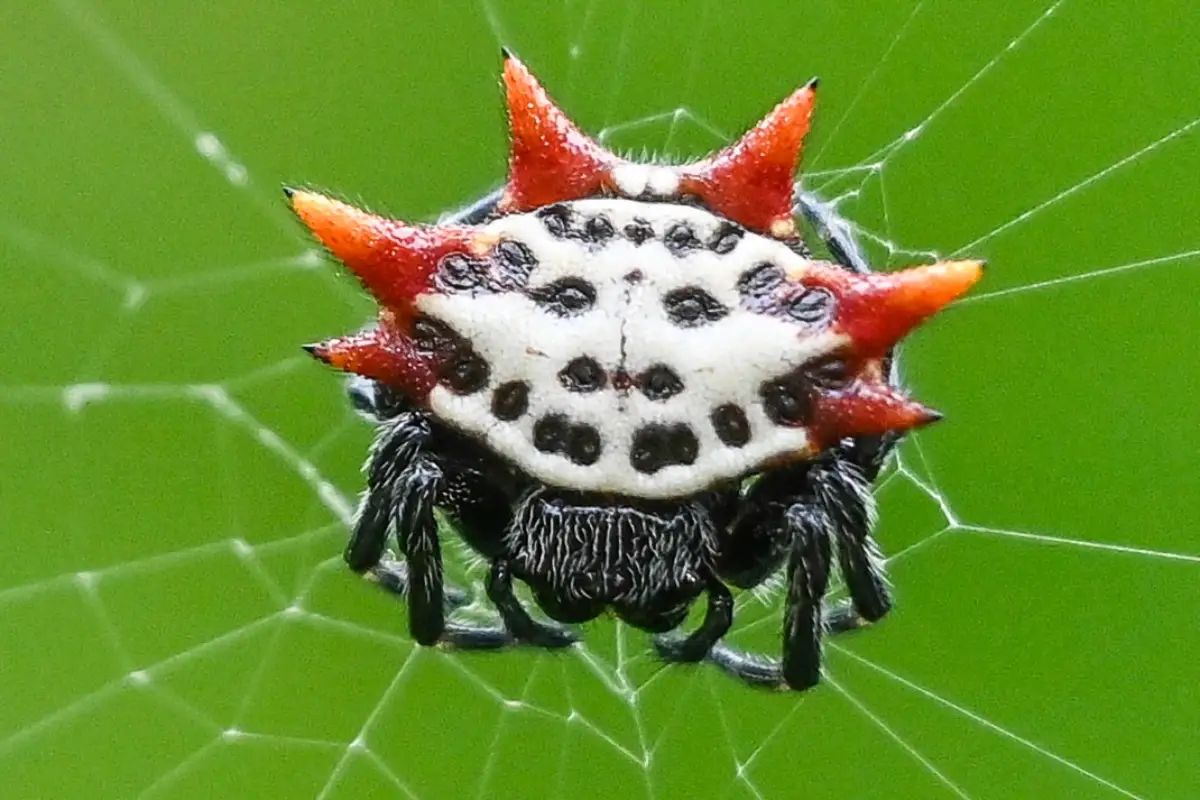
<point>725,361</point>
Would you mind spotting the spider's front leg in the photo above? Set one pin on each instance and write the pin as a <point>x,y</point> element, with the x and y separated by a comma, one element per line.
<point>809,507</point>
<point>407,477</point>
<point>403,485</point>
<point>365,553</point>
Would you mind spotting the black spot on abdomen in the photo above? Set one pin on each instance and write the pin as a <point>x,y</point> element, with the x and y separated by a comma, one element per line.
<point>579,442</point>
<point>505,269</point>
<point>565,297</point>
<point>787,400</point>
<point>639,231</point>
<point>731,425</point>
<point>583,445</point>
<point>759,285</point>
<point>726,238</point>
<point>691,307</point>
<point>465,372</point>
<point>582,374</point>
<point>510,400</point>
<point>657,446</point>
<point>562,222</point>
<point>550,433</point>
<point>660,382</point>
<point>681,239</point>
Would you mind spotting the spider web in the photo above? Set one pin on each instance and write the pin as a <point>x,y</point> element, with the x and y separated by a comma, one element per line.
<point>176,482</point>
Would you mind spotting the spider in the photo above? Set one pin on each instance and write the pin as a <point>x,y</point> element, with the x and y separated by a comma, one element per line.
<point>629,385</point>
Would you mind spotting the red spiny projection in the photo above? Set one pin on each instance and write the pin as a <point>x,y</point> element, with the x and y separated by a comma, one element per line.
<point>864,408</point>
<point>752,181</point>
<point>878,309</point>
<point>384,353</point>
<point>394,260</point>
<point>550,160</point>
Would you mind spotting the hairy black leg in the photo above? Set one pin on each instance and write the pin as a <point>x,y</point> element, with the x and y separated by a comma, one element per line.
<point>808,508</point>
<point>518,621</point>
<point>394,452</point>
<point>858,555</point>
<point>696,645</point>
<point>808,577</point>
<point>767,672</point>
<point>845,490</point>
<point>403,484</point>
<point>413,496</point>
<point>365,551</point>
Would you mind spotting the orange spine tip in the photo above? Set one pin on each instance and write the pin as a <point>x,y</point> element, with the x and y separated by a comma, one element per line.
<point>878,309</point>
<point>394,260</point>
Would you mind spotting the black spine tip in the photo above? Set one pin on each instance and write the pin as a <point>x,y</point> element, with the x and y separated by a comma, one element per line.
<point>288,191</point>
<point>506,52</point>
<point>932,416</point>
<point>312,349</point>
<point>983,265</point>
<point>814,83</point>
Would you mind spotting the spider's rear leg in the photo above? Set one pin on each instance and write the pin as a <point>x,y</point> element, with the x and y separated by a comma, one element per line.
<point>845,488</point>
<point>365,552</point>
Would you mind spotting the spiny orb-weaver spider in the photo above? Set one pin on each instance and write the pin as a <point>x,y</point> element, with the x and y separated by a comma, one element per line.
<point>629,385</point>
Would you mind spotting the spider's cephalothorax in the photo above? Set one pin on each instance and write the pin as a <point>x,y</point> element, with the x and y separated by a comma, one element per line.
<point>584,369</point>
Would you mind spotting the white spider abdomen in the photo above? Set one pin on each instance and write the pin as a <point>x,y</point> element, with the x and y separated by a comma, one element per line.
<point>616,348</point>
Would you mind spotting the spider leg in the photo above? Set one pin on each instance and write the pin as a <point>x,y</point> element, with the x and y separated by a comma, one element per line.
<point>516,619</point>
<point>403,483</point>
<point>833,503</point>
<point>808,577</point>
<point>696,645</point>
<point>858,555</point>
<point>767,672</point>
<point>846,491</point>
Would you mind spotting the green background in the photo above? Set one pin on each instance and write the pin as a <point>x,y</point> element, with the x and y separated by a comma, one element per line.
<point>175,477</point>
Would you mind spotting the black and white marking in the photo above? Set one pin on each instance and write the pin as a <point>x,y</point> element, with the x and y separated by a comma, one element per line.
<point>629,347</point>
